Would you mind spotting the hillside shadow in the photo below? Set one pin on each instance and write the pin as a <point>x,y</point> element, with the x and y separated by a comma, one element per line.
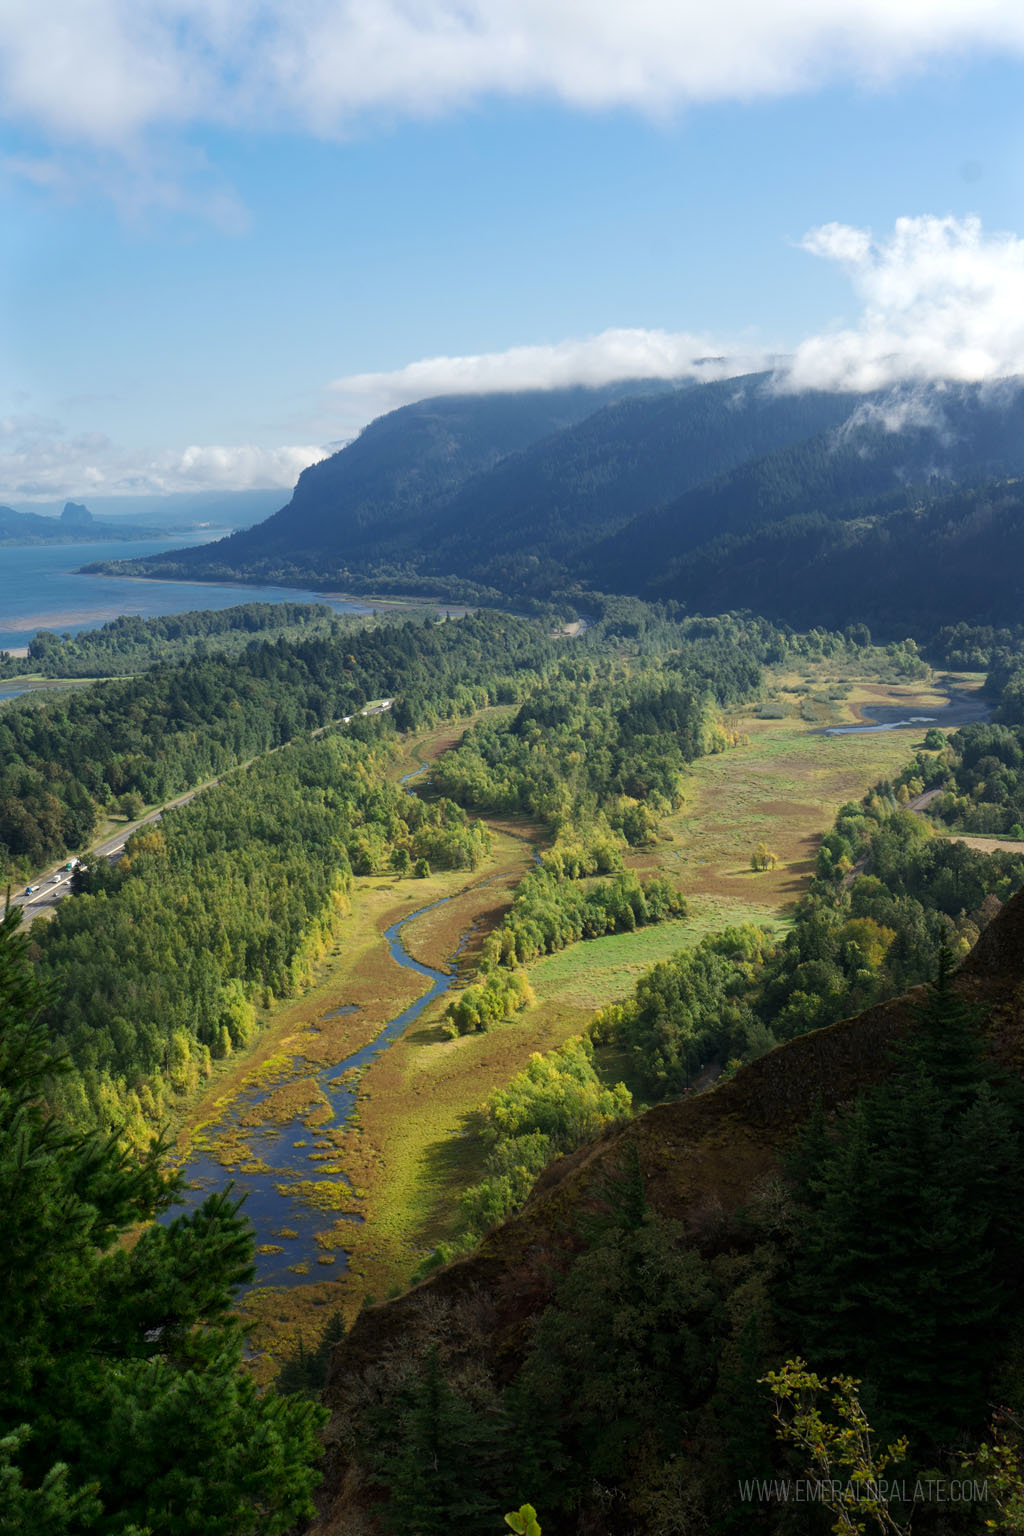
<point>447,1167</point>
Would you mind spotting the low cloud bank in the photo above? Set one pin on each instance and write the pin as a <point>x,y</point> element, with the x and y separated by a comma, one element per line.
<point>38,461</point>
<point>939,301</point>
<point>589,360</point>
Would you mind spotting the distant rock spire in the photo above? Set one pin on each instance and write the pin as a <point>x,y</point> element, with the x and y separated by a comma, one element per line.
<point>75,512</point>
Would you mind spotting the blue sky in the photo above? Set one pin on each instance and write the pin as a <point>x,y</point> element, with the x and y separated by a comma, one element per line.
<point>226,246</point>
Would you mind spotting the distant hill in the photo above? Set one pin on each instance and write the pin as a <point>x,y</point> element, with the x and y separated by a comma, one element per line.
<point>813,507</point>
<point>176,511</point>
<point>75,525</point>
<point>77,515</point>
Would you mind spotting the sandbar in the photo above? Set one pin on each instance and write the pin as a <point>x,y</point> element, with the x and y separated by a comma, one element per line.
<point>21,623</point>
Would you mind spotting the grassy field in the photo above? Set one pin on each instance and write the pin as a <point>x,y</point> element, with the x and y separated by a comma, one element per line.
<point>987,844</point>
<point>784,787</point>
<point>413,1147</point>
<point>591,974</point>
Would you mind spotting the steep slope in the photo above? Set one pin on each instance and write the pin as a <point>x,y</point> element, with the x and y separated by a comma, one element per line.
<point>723,495</point>
<point>537,515</point>
<point>700,1158</point>
<point>373,502</point>
<point>947,557</point>
<point>883,458</point>
<point>506,492</point>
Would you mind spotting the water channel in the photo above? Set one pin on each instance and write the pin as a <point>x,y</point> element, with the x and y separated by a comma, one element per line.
<point>961,709</point>
<point>280,1156</point>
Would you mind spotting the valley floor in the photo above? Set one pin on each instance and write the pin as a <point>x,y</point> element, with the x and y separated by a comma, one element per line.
<point>412,1146</point>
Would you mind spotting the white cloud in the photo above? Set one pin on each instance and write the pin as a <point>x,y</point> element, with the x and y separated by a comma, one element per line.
<point>176,181</point>
<point>41,171</point>
<point>111,70</point>
<point>244,468</point>
<point>591,360</point>
<point>941,300</point>
<point>39,460</point>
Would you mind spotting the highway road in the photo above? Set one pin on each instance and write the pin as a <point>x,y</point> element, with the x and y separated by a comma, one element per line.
<point>55,883</point>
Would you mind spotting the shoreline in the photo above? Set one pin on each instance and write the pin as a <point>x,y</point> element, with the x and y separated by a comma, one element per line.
<point>62,618</point>
<point>967,707</point>
<point>359,599</point>
<point>191,581</point>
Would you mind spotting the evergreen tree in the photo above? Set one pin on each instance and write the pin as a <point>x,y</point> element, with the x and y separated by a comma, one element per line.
<point>624,1351</point>
<point>306,1371</point>
<point>742,1443</point>
<point>911,1215</point>
<point>533,1460</point>
<point>946,1044</point>
<point>438,1468</point>
<point>622,1199</point>
<point>52,1509</point>
<point>123,1405</point>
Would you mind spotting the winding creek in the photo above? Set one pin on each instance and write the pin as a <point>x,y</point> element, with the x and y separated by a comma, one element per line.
<point>281,1157</point>
<point>286,1169</point>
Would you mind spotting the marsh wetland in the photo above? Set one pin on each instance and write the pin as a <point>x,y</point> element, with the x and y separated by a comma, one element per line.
<point>352,1127</point>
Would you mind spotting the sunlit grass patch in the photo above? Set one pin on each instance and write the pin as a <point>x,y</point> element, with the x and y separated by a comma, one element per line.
<point>596,971</point>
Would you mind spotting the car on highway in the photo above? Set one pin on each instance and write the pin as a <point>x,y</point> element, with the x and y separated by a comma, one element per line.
<point>30,890</point>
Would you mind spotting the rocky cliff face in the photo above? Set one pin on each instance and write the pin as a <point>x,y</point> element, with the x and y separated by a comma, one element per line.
<point>76,514</point>
<point>702,1158</point>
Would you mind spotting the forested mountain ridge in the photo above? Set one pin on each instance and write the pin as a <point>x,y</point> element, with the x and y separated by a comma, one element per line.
<point>906,562</point>
<point>506,499</point>
<point>486,491</point>
<point>885,455</point>
<point>569,491</point>
<point>375,498</point>
<point>684,1224</point>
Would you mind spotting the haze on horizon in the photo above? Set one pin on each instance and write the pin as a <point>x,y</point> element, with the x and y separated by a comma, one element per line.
<point>232,237</point>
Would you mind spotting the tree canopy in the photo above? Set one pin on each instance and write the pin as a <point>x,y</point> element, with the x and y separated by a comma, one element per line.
<point>124,1408</point>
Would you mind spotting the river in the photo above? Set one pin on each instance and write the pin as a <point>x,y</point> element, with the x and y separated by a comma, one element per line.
<point>283,1155</point>
<point>40,588</point>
